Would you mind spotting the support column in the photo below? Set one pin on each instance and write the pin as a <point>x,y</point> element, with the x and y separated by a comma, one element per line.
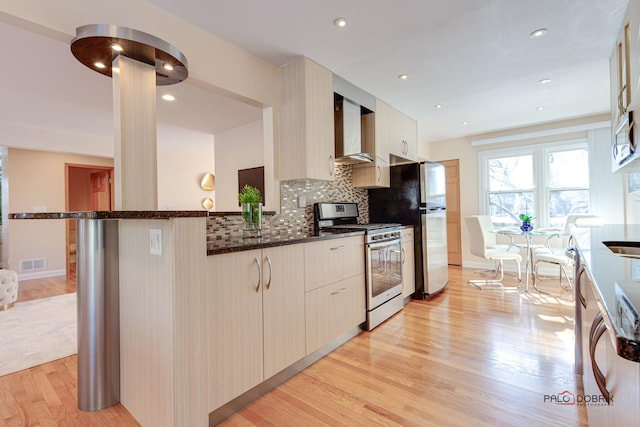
<point>134,122</point>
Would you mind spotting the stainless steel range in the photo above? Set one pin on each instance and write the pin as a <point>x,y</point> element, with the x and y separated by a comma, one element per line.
<point>383,253</point>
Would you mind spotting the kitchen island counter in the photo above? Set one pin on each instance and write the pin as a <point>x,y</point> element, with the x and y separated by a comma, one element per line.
<point>239,243</point>
<point>612,275</point>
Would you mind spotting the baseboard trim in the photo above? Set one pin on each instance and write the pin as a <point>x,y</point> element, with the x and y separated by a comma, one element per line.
<point>41,274</point>
<point>230,408</point>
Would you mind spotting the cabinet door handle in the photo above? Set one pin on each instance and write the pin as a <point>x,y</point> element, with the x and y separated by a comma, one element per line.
<point>259,274</point>
<point>622,108</point>
<point>598,328</point>
<point>581,297</point>
<point>336,248</point>
<point>379,174</point>
<point>331,166</point>
<point>403,257</point>
<point>339,291</point>
<point>269,264</point>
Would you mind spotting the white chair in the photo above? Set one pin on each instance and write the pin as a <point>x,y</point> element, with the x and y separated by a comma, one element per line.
<point>479,247</point>
<point>8,288</point>
<point>556,256</point>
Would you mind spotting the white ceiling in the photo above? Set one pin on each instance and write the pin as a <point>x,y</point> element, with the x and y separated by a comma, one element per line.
<point>475,57</point>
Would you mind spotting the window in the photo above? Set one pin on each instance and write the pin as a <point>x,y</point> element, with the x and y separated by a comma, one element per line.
<point>545,181</point>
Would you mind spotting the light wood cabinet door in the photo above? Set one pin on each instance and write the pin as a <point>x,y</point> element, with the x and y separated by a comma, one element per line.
<point>283,307</point>
<point>333,310</point>
<point>372,175</point>
<point>234,325</point>
<point>633,16</point>
<point>408,263</point>
<point>328,261</point>
<point>307,139</point>
<point>403,138</point>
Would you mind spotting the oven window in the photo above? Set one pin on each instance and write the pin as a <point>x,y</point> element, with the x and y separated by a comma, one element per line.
<point>385,268</point>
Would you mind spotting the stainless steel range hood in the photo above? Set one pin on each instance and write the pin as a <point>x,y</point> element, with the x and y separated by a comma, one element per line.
<point>351,142</point>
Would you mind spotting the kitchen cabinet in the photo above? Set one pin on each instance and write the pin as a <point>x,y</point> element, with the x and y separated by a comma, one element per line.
<point>408,262</point>
<point>332,260</point>
<point>335,289</point>
<point>377,173</point>
<point>256,319</point>
<point>307,146</point>
<point>621,377</point>
<point>402,136</point>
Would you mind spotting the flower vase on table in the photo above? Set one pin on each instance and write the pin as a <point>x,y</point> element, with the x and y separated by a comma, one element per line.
<point>526,223</point>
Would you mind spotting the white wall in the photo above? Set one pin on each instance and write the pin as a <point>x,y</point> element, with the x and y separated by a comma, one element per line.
<point>37,178</point>
<point>181,165</point>
<point>238,148</point>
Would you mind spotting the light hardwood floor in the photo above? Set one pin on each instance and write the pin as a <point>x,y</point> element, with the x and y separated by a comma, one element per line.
<point>466,357</point>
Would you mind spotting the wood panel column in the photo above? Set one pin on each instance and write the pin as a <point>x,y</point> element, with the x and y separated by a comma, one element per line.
<point>134,123</point>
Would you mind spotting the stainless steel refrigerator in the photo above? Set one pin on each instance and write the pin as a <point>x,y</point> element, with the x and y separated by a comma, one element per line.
<point>417,196</point>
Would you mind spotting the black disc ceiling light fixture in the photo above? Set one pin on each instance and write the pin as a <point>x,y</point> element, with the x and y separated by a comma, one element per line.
<point>97,45</point>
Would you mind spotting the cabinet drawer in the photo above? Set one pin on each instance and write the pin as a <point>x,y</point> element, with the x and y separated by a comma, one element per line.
<point>333,310</point>
<point>329,261</point>
<point>407,234</point>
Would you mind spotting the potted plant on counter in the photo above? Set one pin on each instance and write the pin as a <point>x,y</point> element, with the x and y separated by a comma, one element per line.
<point>251,201</point>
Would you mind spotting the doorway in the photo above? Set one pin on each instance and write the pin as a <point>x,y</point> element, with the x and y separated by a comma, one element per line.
<point>452,171</point>
<point>88,188</point>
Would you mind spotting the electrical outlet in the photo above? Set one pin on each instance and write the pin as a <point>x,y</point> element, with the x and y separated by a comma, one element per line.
<point>302,201</point>
<point>39,208</point>
<point>155,241</point>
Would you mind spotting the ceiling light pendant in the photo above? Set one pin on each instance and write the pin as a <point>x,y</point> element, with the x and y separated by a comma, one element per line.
<point>403,76</point>
<point>341,22</point>
<point>168,97</point>
<point>538,33</point>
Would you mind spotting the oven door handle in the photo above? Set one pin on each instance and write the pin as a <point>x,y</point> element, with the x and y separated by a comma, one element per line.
<point>376,245</point>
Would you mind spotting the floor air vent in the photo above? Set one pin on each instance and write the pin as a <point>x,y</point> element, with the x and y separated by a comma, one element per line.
<point>33,264</point>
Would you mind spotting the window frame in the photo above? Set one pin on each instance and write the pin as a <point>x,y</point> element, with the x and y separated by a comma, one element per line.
<point>539,153</point>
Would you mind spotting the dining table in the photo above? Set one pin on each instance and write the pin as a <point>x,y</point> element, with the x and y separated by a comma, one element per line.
<point>528,244</point>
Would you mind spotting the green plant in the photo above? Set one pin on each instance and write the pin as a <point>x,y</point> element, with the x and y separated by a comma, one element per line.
<point>249,194</point>
<point>251,201</point>
<point>525,218</point>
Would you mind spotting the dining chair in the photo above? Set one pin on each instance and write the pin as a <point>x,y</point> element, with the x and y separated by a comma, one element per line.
<point>480,246</point>
<point>556,255</point>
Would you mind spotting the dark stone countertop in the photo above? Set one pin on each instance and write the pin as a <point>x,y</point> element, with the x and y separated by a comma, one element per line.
<point>237,244</point>
<point>109,215</point>
<point>612,273</point>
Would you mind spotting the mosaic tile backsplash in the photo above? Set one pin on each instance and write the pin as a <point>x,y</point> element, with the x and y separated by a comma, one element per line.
<point>294,220</point>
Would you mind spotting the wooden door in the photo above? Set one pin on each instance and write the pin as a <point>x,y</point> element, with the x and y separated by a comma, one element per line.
<point>454,246</point>
<point>100,190</point>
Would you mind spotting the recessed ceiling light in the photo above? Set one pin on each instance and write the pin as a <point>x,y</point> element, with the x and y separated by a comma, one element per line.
<point>168,67</point>
<point>544,81</point>
<point>168,97</point>
<point>117,47</point>
<point>99,64</point>
<point>403,76</point>
<point>540,108</point>
<point>538,33</point>
<point>341,22</point>
<point>437,106</point>
<point>465,123</point>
